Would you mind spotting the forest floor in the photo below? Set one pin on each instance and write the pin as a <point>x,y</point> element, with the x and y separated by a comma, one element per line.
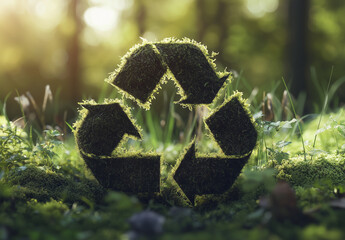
<point>288,190</point>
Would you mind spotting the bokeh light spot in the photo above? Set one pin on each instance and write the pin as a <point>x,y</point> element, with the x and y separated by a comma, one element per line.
<point>101,18</point>
<point>258,8</point>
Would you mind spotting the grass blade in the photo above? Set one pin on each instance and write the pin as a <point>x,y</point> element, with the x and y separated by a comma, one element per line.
<point>324,106</point>
<point>294,111</point>
<point>171,122</point>
<point>151,126</point>
<point>70,127</point>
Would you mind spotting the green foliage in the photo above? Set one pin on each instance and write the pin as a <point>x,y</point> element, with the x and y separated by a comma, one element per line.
<point>270,144</point>
<point>14,147</point>
<point>44,150</point>
<point>177,125</point>
<point>17,149</point>
<point>276,153</point>
<point>255,179</point>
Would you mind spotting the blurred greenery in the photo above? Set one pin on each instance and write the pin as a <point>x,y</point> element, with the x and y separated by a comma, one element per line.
<point>73,45</point>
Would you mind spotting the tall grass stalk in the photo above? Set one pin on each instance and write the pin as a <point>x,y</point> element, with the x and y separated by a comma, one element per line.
<point>190,128</point>
<point>324,106</point>
<point>294,111</point>
<point>171,122</point>
<point>3,110</point>
<point>230,88</point>
<point>151,126</point>
<point>316,82</point>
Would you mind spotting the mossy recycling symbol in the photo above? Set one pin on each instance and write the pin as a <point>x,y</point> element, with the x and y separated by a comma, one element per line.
<point>102,127</point>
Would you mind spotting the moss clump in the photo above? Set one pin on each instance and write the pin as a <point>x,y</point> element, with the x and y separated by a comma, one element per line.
<point>314,231</point>
<point>32,219</point>
<point>132,174</point>
<point>140,72</point>
<point>103,128</point>
<point>53,210</point>
<point>300,172</point>
<point>232,127</point>
<point>192,71</point>
<point>44,185</point>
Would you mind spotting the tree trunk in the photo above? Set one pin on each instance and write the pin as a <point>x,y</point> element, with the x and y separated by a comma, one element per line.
<point>141,17</point>
<point>298,31</point>
<point>202,23</point>
<point>73,64</point>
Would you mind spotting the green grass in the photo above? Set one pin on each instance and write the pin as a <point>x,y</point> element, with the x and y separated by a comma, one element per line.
<point>47,192</point>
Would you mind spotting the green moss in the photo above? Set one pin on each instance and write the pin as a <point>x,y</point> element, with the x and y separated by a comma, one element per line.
<point>98,133</point>
<point>44,184</point>
<point>52,209</point>
<point>192,71</point>
<point>133,174</point>
<point>201,175</point>
<point>232,127</point>
<point>53,219</point>
<point>319,232</point>
<point>103,127</point>
<point>300,172</point>
<point>140,73</point>
<point>142,70</point>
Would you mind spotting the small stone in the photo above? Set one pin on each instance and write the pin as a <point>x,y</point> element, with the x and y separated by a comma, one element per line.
<point>146,223</point>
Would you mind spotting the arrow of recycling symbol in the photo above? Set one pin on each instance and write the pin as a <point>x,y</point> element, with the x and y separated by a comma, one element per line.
<point>207,175</point>
<point>235,134</point>
<point>103,128</point>
<point>144,68</point>
<point>99,133</point>
<point>104,125</point>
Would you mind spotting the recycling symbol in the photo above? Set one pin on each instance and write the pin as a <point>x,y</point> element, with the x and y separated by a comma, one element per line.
<point>102,127</point>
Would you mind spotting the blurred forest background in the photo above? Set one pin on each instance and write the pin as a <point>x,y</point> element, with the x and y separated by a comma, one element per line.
<point>73,45</point>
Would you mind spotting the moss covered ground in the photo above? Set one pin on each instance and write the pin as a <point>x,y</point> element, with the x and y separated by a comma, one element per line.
<point>292,185</point>
<point>47,191</point>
